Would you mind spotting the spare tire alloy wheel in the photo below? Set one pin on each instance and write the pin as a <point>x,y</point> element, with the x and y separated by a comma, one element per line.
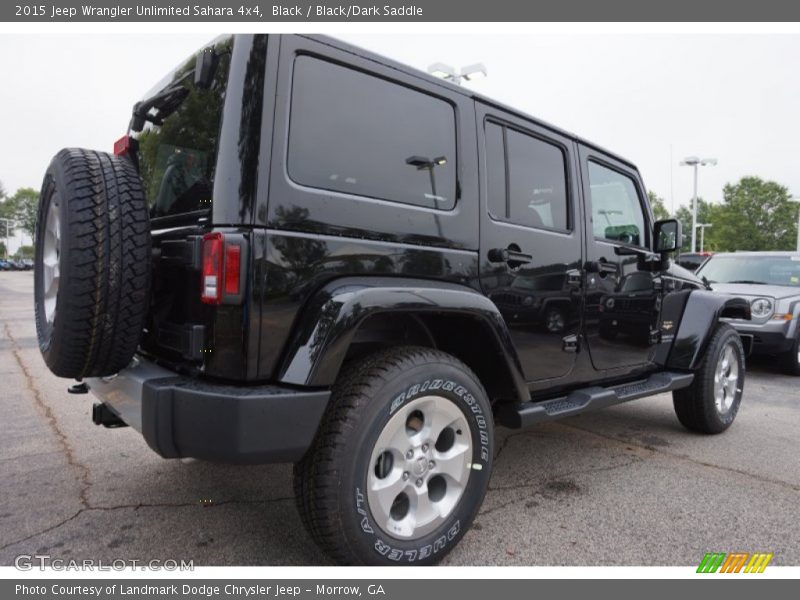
<point>92,264</point>
<point>50,259</point>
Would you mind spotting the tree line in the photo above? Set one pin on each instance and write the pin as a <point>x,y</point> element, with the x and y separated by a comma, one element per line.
<point>18,212</point>
<point>754,214</point>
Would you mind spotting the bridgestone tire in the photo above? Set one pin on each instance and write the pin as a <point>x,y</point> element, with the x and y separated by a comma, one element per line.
<point>92,264</point>
<point>696,406</point>
<point>331,481</point>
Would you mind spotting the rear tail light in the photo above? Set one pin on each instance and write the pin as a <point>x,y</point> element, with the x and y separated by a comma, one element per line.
<point>212,269</point>
<point>233,255</point>
<point>222,260</point>
<point>122,146</point>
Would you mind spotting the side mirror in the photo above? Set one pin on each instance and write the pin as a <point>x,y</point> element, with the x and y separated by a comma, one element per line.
<point>667,235</point>
<point>204,68</point>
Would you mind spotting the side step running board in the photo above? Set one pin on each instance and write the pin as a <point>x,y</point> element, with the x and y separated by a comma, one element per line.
<point>591,398</point>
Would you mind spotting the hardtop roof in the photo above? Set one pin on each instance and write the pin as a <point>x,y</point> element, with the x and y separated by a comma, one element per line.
<point>430,79</point>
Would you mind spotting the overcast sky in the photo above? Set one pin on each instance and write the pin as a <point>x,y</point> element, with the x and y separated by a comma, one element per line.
<point>654,99</point>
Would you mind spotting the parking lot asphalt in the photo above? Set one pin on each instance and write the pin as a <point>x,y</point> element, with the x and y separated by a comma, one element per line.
<point>623,486</point>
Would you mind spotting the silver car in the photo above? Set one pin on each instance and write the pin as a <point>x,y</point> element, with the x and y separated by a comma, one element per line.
<point>771,281</point>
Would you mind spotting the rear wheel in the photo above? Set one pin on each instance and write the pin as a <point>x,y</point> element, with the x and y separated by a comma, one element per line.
<point>711,403</point>
<point>402,460</point>
<point>92,265</point>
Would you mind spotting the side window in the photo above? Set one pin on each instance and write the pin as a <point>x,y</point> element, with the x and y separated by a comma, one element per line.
<point>496,171</point>
<point>358,134</point>
<point>529,185</point>
<point>616,209</point>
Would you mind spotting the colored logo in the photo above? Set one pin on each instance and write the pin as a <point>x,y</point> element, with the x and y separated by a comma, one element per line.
<point>736,562</point>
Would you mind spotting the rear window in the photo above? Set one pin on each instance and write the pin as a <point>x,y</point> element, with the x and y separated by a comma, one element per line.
<point>527,179</point>
<point>358,134</point>
<point>178,147</point>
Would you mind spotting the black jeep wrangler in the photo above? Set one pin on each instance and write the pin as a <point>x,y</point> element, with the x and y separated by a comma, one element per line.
<point>303,252</point>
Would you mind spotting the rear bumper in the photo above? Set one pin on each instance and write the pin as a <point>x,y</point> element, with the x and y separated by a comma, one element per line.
<point>185,417</point>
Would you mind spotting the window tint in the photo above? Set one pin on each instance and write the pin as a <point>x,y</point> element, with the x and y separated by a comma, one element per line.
<point>616,210</point>
<point>537,182</point>
<point>536,176</point>
<point>177,157</point>
<point>496,171</point>
<point>354,133</point>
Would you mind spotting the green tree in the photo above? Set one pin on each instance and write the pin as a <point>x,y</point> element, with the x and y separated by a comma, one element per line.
<point>25,207</point>
<point>2,191</point>
<point>8,217</point>
<point>706,213</point>
<point>755,215</point>
<point>2,249</point>
<point>24,252</point>
<point>657,204</point>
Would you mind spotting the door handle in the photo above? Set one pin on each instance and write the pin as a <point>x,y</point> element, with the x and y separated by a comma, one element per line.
<point>512,256</point>
<point>601,266</point>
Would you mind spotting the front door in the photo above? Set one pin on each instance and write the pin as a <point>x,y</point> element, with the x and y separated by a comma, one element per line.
<point>622,294</point>
<point>530,240</point>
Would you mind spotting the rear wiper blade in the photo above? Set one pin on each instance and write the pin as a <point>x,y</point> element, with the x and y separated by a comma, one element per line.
<point>165,103</point>
<point>749,281</point>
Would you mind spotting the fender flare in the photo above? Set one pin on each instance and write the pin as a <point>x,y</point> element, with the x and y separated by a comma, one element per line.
<point>702,312</point>
<point>328,323</point>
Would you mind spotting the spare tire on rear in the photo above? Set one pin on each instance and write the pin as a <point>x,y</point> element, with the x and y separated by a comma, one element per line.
<point>92,266</point>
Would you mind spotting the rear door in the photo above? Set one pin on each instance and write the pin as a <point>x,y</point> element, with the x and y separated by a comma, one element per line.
<point>623,297</point>
<point>530,252</point>
<point>197,157</point>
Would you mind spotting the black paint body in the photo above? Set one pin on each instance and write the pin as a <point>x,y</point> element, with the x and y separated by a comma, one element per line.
<point>332,275</point>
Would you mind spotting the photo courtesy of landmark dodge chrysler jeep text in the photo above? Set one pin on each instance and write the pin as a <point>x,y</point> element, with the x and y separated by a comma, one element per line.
<point>303,252</point>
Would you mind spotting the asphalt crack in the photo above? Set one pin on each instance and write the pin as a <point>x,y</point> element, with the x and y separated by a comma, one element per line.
<point>84,474</point>
<point>687,458</point>
<point>144,505</point>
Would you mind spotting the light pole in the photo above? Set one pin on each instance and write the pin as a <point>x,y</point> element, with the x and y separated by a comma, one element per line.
<point>448,73</point>
<point>693,161</point>
<point>8,229</point>
<point>797,199</point>
<point>702,227</point>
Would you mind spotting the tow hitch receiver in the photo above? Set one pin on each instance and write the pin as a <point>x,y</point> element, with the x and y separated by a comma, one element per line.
<point>103,415</point>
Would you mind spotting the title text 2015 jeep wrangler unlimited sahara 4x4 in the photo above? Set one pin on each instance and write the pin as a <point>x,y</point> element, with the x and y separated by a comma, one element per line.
<point>306,253</point>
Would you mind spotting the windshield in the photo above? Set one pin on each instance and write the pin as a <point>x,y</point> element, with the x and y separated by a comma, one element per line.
<point>765,270</point>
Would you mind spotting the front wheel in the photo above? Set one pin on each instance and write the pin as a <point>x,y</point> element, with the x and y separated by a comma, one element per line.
<point>402,460</point>
<point>711,403</point>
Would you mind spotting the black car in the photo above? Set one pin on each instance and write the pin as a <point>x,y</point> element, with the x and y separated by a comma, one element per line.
<point>303,252</point>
